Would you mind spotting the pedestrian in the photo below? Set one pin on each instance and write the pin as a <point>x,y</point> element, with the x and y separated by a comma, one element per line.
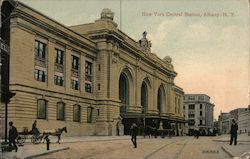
<point>196,132</point>
<point>34,130</point>
<point>134,131</point>
<point>118,128</point>
<point>13,134</point>
<point>233,132</point>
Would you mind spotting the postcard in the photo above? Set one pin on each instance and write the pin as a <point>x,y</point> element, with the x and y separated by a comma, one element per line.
<point>124,79</point>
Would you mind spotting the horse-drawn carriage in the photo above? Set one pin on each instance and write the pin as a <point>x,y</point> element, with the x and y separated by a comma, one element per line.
<point>37,137</point>
<point>152,131</point>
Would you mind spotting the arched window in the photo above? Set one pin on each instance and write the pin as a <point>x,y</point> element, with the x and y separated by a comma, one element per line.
<point>41,109</point>
<point>123,92</point>
<point>144,97</point>
<point>76,113</point>
<point>90,114</point>
<point>60,111</point>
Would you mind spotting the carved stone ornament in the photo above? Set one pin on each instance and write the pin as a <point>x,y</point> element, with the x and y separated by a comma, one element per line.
<point>107,14</point>
<point>167,59</point>
<point>145,43</point>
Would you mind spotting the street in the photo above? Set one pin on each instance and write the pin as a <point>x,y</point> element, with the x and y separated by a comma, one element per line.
<point>148,148</point>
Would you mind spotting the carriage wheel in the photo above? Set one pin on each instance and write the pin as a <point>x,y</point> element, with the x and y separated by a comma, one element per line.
<point>20,139</point>
<point>36,139</point>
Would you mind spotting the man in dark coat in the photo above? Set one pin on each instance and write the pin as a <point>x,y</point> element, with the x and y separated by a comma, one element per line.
<point>12,135</point>
<point>233,132</point>
<point>134,131</point>
<point>34,129</point>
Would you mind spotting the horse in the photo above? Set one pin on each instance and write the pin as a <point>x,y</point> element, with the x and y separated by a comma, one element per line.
<point>57,133</point>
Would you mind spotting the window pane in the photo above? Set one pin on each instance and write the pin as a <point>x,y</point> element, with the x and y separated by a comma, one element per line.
<point>41,109</point>
<point>89,115</point>
<point>76,113</point>
<point>60,111</point>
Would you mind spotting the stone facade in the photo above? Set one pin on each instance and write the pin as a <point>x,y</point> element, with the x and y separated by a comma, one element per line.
<point>198,111</point>
<point>88,77</point>
<point>243,120</point>
<point>224,123</point>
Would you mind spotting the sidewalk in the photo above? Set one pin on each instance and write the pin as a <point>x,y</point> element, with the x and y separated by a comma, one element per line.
<point>240,151</point>
<point>30,150</point>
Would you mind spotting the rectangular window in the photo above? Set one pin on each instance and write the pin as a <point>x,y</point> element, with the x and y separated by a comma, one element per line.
<point>59,56</point>
<point>88,71</point>
<point>88,87</point>
<point>191,97</point>
<point>200,122</point>
<point>98,112</point>
<point>40,49</point>
<point>89,114</point>
<point>60,111</point>
<point>191,122</point>
<point>41,109</point>
<point>200,113</point>
<point>191,106</point>
<point>58,80</point>
<point>74,84</point>
<point>200,106</point>
<point>75,62</point>
<point>40,75</point>
<point>77,113</point>
<point>200,97</point>
<point>191,115</point>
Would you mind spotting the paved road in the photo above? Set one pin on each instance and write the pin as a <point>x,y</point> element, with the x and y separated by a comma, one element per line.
<point>174,148</point>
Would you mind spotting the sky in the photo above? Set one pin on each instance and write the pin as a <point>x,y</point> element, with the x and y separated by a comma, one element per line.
<point>208,40</point>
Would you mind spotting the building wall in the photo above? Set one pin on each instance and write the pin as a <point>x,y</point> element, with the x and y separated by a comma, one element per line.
<point>109,57</point>
<point>243,121</point>
<point>202,112</point>
<point>224,123</point>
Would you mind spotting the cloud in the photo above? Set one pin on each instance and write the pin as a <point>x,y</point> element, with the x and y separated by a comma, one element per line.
<point>159,36</point>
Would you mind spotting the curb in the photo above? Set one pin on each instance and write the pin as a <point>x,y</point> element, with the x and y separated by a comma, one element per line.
<point>96,140</point>
<point>228,152</point>
<point>45,153</point>
<point>229,140</point>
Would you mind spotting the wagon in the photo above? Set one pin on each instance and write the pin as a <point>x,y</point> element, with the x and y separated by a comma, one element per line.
<point>25,134</point>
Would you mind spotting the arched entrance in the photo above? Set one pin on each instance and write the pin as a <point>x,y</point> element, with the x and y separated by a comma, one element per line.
<point>161,104</point>
<point>144,97</point>
<point>123,92</point>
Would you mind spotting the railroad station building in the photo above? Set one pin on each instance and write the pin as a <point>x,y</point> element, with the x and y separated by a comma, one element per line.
<point>92,78</point>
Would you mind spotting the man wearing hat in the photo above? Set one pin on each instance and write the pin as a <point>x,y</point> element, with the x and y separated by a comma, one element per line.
<point>12,135</point>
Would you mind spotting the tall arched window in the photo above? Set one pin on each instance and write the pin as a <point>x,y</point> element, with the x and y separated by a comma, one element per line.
<point>144,97</point>
<point>90,114</point>
<point>76,113</point>
<point>161,100</point>
<point>41,109</point>
<point>60,111</point>
<point>123,92</point>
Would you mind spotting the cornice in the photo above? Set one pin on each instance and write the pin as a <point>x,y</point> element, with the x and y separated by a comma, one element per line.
<point>72,37</point>
<point>133,49</point>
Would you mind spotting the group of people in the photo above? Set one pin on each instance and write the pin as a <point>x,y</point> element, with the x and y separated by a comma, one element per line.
<point>13,134</point>
<point>233,133</point>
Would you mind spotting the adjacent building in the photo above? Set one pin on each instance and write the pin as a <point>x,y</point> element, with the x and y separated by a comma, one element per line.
<point>92,78</point>
<point>198,111</point>
<point>244,120</point>
<point>240,115</point>
<point>224,123</point>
